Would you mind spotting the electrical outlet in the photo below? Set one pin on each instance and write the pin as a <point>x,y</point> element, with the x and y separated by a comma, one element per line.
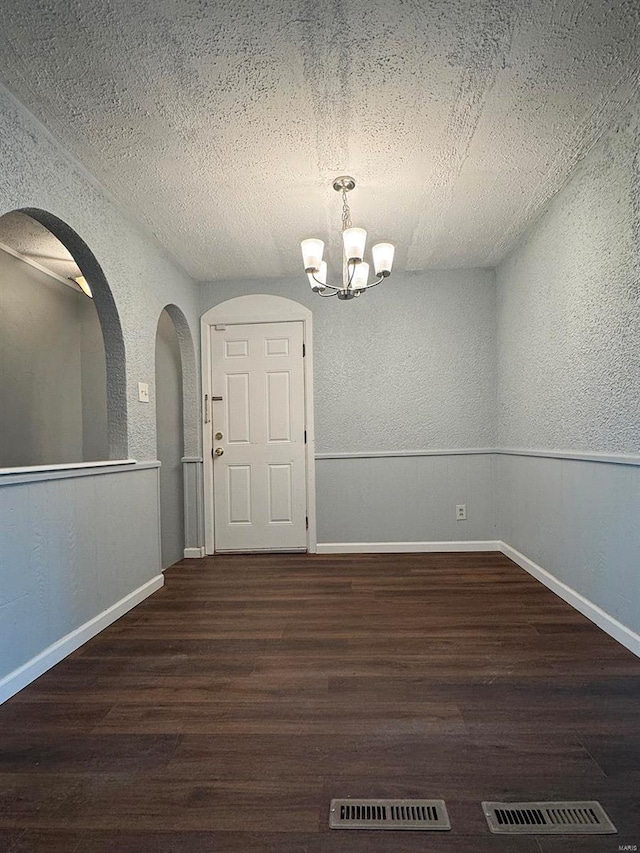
<point>461,512</point>
<point>143,392</point>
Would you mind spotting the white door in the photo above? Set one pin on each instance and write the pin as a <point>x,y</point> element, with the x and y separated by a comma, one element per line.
<point>259,476</point>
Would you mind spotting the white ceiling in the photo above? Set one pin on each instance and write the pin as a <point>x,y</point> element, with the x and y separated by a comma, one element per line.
<point>221,124</point>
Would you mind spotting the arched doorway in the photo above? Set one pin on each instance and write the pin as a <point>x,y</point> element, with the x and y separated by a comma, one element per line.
<point>177,433</point>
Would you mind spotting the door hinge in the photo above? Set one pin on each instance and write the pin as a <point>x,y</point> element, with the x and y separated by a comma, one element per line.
<point>305,436</point>
<point>304,350</point>
<point>307,522</point>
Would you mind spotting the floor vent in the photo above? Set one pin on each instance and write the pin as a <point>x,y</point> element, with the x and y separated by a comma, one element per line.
<point>388,814</point>
<point>562,818</point>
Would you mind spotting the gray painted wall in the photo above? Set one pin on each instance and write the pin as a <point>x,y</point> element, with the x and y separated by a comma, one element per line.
<point>410,365</point>
<point>569,378</point>
<point>69,551</point>
<point>170,440</point>
<point>52,375</point>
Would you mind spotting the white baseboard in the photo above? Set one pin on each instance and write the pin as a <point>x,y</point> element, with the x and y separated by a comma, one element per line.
<point>405,547</point>
<point>193,553</point>
<point>59,650</point>
<point>628,638</point>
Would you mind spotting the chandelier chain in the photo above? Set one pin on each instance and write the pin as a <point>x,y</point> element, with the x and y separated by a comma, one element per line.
<point>346,212</point>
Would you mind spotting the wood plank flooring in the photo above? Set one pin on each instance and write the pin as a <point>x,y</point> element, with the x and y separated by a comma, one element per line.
<point>225,712</point>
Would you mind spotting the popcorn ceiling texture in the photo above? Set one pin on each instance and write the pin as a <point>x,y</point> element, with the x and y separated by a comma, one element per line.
<point>569,311</point>
<point>215,121</point>
<point>37,173</point>
<point>410,365</point>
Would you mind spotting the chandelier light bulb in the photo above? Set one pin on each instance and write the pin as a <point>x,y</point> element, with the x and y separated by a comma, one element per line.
<point>383,258</point>
<point>312,250</point>
<point>360,276</point>
<point>354,240</point>
<point>318,279</point>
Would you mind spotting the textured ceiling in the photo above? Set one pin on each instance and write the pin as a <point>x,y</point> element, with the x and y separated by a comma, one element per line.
<point>220,125</point>
<point>32,240</point>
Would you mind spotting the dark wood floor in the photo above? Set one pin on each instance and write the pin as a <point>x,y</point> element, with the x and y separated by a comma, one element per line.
<point>226,711</point>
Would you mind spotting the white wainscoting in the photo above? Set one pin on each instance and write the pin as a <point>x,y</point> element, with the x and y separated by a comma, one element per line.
<point>28,672</point>
<point>405,498</point>
<point>628,638</point>
<point>571,519</point>
<point>575,524</point>
<point>77,549</point>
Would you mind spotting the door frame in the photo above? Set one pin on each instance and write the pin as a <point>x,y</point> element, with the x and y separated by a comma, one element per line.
<point>257,308</point>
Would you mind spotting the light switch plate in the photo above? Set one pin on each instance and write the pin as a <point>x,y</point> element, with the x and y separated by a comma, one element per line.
<point>143,392</point>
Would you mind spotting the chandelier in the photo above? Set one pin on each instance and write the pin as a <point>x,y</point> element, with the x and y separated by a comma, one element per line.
<point>355,271</point>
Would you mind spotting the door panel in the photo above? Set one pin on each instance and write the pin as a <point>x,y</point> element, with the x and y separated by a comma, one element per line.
<point>280,497</point>
<point>259,478</point>
<point>238,409</point>
<point>239,494</point>
<point>276,346</point>
<point>236,349</point>
<point>278,407</point>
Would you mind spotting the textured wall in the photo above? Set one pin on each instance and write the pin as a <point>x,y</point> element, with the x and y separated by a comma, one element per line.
<point>170,440</point>
<point>569,379</point>
<point>569,312</point>
<point>410,365</point>
<point>38,173</point>
<point>52,380</point>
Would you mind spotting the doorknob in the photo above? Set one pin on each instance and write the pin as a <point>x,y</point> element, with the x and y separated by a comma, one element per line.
<point>219,451</point>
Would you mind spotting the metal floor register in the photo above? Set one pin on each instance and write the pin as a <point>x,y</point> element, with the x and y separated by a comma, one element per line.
<point>534,818</point>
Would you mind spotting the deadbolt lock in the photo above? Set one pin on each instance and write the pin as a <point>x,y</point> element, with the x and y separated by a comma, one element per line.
<point>219,436</point>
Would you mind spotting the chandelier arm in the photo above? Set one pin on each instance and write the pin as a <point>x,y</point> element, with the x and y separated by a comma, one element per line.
<point>353,272</point>
<point>328,295</point>
<point>375,283</point>
<point>324,284</point>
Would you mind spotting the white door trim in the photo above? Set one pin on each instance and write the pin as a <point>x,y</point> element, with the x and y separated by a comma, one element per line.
<point>257,308</point>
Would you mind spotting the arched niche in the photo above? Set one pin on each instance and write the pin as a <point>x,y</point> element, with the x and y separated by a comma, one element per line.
<point>109,324</point>
<point>189,380</point>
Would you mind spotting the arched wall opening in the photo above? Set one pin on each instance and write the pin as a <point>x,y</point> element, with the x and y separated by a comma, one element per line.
<point>176,430</point>
<point>62,361</point>
<point>109,323</point>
